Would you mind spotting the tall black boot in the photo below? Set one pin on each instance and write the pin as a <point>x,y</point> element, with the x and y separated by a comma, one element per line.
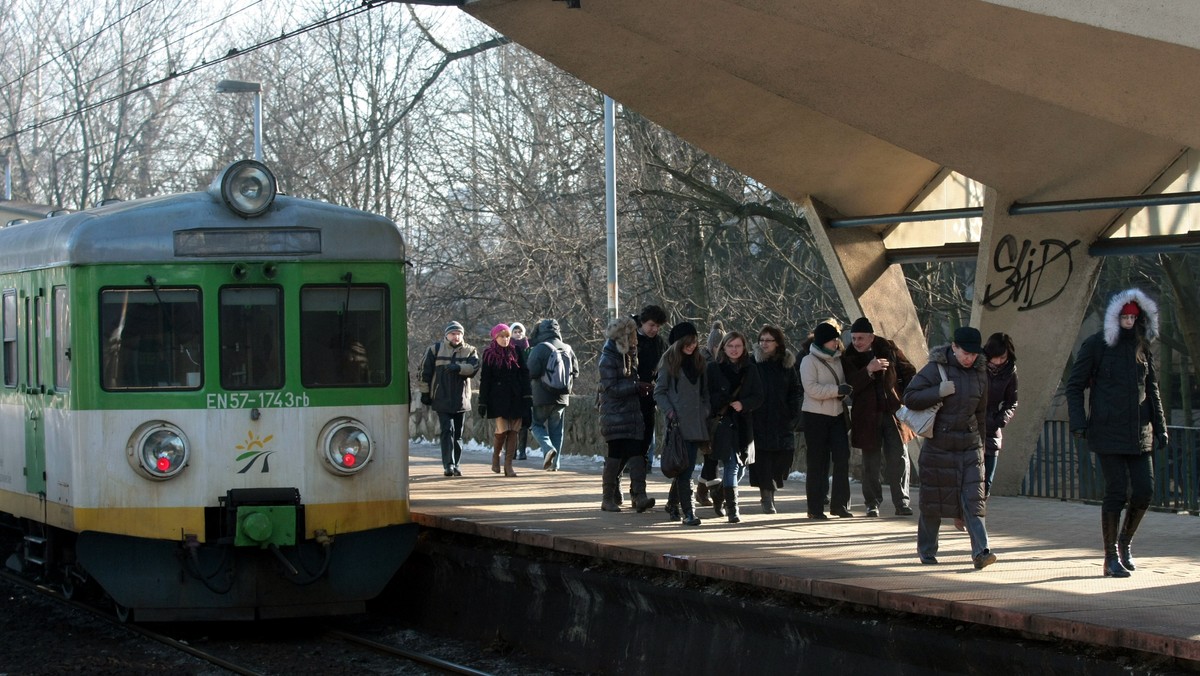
<point>731,504</point>
<point>1109,523</point>
<point>611,467</point>
<point>673,502</point>
<point>689,507</point>
<point>717,492</point>
<point>522,442</point>
<point>1133,518</point>
<point>767,498</point>
<point>637,484</point>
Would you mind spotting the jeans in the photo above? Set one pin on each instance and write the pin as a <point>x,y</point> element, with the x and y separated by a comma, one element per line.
<point>1131,475</point>
<point>452,431</point>
<point>891,461</point>
<point>989,471</point>
<point>928,526</point>
<point>547,429</point>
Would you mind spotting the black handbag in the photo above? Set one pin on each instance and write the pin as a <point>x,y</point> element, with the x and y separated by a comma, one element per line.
<point>675,453</point>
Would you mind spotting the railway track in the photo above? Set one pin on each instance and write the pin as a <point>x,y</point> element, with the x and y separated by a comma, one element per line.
<point>311,648</point>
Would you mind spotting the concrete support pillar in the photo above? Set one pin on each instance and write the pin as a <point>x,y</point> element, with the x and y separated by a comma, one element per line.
<point>1033,281</point>
<point>866,284</point>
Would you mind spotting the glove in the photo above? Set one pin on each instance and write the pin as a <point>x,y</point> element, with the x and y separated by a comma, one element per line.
<point>946,388</point>
<point>482,409</point>
<point>845,390</point>
<point>645,389</point>
<point>426,399</point>
<point>453,368</point>
<point>1079,434</point>
<point>1161,439</point>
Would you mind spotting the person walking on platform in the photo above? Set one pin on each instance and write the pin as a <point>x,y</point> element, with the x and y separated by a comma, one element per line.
<point>708,472</point>
<point>550,398</point>
<point>825,389</point>
<point>621,422</point>
<point>1124,419</point>
<point>878,371</point>
<point>735,392</point>
<point>504,395</point>
<point>952,461</point>
<point>445,386</point>
<point>650,345</point>
<point>521,342</point>
<point>775,420</point>
<point>681,392</point>
<point>1002,399</point>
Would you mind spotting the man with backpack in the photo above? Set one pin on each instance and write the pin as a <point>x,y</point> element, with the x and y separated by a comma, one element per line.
<point>552,368</point>
<point>445,386</point>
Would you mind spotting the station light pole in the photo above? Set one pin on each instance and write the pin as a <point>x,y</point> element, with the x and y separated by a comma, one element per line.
<point>239,87</point>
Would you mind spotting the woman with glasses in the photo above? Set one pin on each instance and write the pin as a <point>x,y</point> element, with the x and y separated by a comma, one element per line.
<point>735,392</point>
<point>775,420</point>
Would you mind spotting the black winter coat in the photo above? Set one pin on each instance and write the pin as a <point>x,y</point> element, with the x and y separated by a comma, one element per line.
<point>505,390</point>
<point>1002,403</point>
<point>775,420</point>
<point>1125,408</point>
<point>620,405</point>
<point>952,461</point>
<point>723,379</point>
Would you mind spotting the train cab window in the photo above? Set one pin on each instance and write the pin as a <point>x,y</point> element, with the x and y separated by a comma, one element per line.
<point>251,338</point>
<point>344,336</point>
<point>9,329</point>
<point>151,339</point>
<point>62,338</point>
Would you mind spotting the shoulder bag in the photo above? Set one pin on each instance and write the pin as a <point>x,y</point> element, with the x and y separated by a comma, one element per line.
<point>674,454</point>
<point>921,422</point>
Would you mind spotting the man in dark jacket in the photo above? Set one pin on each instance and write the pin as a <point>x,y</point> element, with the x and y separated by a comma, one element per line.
<point>445,386</point>
<point>878,371</point>
<point>650,348</point>
<point>549,408</point>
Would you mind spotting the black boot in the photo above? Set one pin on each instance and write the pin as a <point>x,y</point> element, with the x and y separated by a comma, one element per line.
<point>522,442</point>
<point>767,498</point>
<point>1109,523</point>
<point>672,508</point>
<point>702,498</point>
<point>689,507</point>
<point>1133,518</point>
<point>717,493</point>
<point>731,505</point>
<point>637,484</point>
<point>609,503</point>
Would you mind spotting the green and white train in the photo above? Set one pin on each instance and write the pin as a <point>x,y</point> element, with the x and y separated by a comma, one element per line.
<point>205,402</point>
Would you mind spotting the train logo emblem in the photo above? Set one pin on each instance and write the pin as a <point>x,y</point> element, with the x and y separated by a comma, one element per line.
<point>253,449</point>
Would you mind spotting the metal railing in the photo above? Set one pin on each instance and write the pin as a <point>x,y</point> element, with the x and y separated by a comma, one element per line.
<point>1061,468</point>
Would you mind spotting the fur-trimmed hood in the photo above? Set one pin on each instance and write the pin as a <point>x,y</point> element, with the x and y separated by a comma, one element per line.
<point>622,332</point>
<point>942,355</point>
<point>1112,315</point>
<point>789,357</point>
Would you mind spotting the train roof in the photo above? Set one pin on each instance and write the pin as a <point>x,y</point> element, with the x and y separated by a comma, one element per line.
<point>198,226</point>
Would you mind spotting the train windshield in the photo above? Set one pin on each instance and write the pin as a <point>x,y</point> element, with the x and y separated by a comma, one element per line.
<point>344,336</point>
<point>151,338</point>
<point>251,338</point>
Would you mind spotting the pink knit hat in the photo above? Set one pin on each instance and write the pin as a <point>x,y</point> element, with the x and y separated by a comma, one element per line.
<point>498,329</point>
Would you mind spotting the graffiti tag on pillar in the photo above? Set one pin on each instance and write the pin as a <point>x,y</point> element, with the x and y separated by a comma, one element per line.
<point>1024,267</point>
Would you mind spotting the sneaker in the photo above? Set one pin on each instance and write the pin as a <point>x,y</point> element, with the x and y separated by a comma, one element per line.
<point>457,471</point>
<point>873,512</point>
<point>448,472</point>
<point>904,510</point>
<point>985,559</point>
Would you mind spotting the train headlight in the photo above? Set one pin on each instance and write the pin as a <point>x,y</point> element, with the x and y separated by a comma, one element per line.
<point>245,186</point>
<point>345,446</point>
<point>158,450</point>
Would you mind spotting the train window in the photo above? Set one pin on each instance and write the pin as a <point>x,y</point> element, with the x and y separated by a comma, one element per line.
<point>251,338</point>
<point>62,338</point>
<point>344,336</point>
<point>9,320</point>
<point>39,333</point>
<point>151,339</point>
<point>28,347</point>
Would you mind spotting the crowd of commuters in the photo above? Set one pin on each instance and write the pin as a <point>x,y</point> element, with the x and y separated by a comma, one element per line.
<point>738,408</point>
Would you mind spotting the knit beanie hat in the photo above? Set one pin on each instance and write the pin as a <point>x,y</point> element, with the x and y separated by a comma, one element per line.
<point>1131,308</point>
<point>824,333</point>
<point>862,325</point>
<point>453,326</point>
<point>500,328</point>
<point>682,330</point>
<point>968,339</point>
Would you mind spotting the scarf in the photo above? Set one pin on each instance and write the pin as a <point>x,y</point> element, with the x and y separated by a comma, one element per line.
<point>500,357</point>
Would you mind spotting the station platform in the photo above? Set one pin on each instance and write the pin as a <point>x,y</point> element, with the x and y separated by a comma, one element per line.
<point>1047,583</point>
